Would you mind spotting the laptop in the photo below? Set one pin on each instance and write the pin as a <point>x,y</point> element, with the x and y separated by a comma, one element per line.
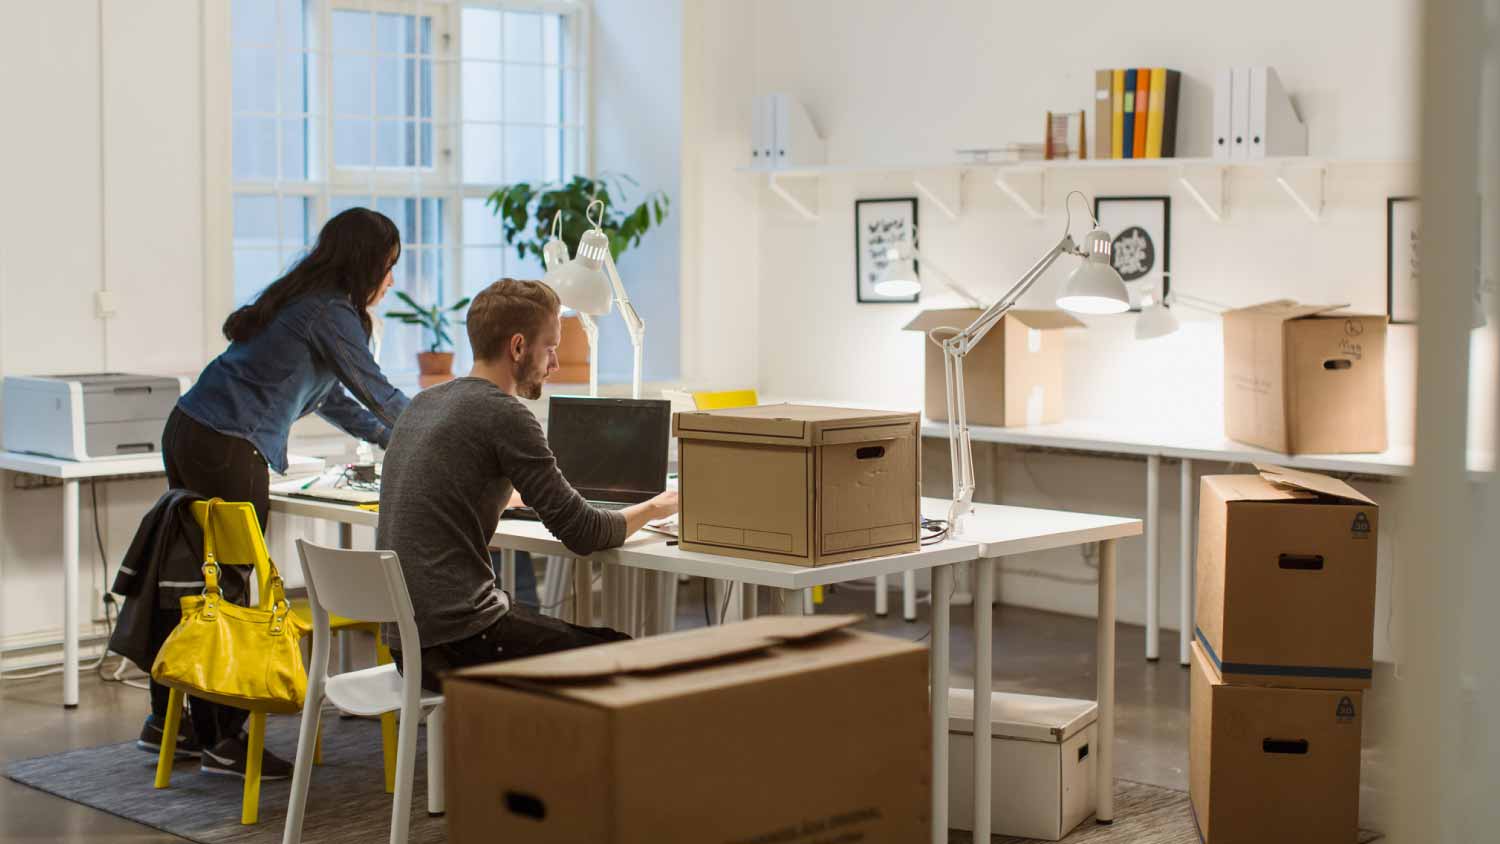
<point>613,451</point>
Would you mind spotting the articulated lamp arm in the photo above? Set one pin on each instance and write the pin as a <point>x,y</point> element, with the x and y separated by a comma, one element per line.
<point>633,324</point>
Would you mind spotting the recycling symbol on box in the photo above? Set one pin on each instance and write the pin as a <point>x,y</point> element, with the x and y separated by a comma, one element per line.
<point>1361,527</point>
<point>1345,712</point>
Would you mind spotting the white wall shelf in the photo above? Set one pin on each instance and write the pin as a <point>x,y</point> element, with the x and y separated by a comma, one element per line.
<point>1206,180</point>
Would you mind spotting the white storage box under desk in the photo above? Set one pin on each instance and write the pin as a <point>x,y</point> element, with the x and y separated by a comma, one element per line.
<point>1042,763</point>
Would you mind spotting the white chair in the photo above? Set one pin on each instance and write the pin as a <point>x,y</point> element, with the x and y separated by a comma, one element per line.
<point>366,585</point>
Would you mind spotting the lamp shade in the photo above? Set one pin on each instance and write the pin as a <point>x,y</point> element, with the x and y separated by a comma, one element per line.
<point>581,283</point>
<point>899,278</point>
<point>1095,287</point>
<point>1156,320</point>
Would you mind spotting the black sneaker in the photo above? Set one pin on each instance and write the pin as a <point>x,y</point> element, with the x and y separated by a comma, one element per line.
<point>227,759</point>
<point>187,741</point>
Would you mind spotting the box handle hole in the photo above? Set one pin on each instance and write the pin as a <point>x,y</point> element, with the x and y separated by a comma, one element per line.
<point>1302,562</point>
<point>1083,753</point>
<point>1293,747</point>
<point>525,805</point>
<point>870,452</point>
<point>1338,363</point>
<point>134,448</point>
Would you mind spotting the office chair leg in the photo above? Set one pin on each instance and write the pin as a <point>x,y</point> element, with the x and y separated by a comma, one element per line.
<point>250,808</point>
<point>388,746</point>
<point>166,756</point>
<point>436,804</point>
<point>318,742</point>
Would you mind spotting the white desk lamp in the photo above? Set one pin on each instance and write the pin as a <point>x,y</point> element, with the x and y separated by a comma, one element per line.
<point>899,278</point>
<point>590,284</point>
<point>554,256</point>
<point>1157,319</point>
<point>1093,288</point>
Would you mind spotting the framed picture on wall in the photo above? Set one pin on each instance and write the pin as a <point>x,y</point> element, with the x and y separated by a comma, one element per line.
<point>1403,235</point>
<point>879,226</point>
<point>1141,228</point>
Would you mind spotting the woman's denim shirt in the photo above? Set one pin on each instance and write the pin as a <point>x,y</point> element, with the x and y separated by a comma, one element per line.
<point>295,366</point>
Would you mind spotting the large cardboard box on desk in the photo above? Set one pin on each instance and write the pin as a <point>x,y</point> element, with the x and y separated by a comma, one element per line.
<point>1286,579</point>
<point>1014,376</point>
<point>1272,766</point>
<point>799,484</point>
<point>1298,379</point>
<point>1042,781</point>
<point>777,729</point>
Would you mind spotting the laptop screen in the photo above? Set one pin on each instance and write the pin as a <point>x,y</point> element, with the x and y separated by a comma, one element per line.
<point>611,449</point>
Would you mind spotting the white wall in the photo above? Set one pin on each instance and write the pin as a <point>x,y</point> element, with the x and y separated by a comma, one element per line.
<point>104,191</point>
<point>888,82</point>
<point>637,130</point>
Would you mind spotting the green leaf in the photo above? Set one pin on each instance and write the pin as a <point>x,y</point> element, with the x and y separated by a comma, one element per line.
<point>460,304</point>
<point>401,294</point>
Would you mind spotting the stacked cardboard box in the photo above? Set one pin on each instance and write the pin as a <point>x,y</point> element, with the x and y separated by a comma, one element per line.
<point>1283,648</point>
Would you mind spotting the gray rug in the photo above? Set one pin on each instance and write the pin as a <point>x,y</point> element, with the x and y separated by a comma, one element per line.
<point>348,802</point>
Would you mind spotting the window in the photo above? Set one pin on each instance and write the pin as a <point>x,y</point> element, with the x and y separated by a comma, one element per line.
<point>418,109</point>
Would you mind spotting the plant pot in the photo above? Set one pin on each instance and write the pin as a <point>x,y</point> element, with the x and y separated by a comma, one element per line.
<point>436,367</point>
<point>572,354</point>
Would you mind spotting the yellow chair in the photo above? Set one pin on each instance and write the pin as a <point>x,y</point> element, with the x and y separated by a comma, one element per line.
<point>240,542</point>
<point>725,399</point>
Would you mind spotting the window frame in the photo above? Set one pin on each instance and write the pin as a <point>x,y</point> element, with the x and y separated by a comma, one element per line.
<point>445,182</point>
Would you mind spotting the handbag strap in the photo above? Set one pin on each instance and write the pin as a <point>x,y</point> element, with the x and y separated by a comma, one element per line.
<point>280,607</point>
<point>212,593</point>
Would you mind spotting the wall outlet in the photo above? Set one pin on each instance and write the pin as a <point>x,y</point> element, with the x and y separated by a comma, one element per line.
<point>104,304</point>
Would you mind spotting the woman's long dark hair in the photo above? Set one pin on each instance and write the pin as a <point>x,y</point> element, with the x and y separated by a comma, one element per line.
<point>354,251</point>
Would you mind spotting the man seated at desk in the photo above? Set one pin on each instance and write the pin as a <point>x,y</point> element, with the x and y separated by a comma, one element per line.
<point>459,454</point>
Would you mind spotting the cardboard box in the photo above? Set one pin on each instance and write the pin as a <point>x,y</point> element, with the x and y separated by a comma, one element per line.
<point>774,730</point>
<point>1272,765</point>
<point>1286,579</point>
<point>799,484</point>
<point>1014,376</point>
<point>1042,782</point>
<point>1298,379</point>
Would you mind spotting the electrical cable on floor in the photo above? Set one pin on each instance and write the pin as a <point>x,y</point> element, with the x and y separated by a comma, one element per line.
<point>728,593</point>
<point>707,620</point>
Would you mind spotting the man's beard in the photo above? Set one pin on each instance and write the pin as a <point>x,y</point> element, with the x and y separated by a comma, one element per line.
<point>529,378</point>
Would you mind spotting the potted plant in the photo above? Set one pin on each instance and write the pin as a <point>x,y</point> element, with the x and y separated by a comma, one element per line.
<point>526,212</point>
<point>435,364</point>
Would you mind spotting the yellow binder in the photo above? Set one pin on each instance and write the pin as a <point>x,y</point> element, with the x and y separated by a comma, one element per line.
<point>1156,110</point>
<point>1117,120</point>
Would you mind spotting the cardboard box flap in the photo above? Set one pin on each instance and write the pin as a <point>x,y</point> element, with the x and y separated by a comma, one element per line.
<point>956,318</point>
<point>790,421</point>
<point>1028,717</point>
<point>1283,310</point>
<point>1312,482</point>
<point>1253,488</point>
<point>1045,320</point>
<point>662,653</point>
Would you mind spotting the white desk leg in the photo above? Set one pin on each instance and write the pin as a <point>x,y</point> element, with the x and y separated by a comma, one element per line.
<point>752,601</point>
<point>1185,565</point>
<point>667,586</point>
<point>984,684</point>
<point>508,571</point>
<point>346,644</point>
<point>882,595</point>
<point>909,595</point>
<point>611,579</point>
<point>808,607</point>
<point>70,594</point>
<point>1106,693</point>
<point>942,585</point>
<point>791,602</point>
<point>1153,560</point>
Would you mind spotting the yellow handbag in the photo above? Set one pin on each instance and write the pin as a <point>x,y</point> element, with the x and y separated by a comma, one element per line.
<point>245,657</point>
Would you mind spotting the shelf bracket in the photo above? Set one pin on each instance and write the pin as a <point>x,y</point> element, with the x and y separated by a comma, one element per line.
<point>800,193</point>
<point>1026,188</point>
<point>1207,185</point>
<point>941,188</point>
<point>1305,186</point>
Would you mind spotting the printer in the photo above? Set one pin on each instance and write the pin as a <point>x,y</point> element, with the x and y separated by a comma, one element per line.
<point>88,417</point>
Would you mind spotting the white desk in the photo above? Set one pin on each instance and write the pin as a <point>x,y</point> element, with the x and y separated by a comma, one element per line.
<point>992,532</point>
<point>71,472</point>
<point>1103,437</point>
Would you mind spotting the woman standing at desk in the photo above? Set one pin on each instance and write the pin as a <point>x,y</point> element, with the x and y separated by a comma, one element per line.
<point>301,347</point>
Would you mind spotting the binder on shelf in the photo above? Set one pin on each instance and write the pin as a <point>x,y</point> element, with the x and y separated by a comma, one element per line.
<point>1103,113</point>
<point>1274,127</point>
<point>1129,127</point>
<point>1169,113</point>
<point>760,132</point>
<point>1156,111</point>
<point>795,142</point>
<point>1117,114</point>
<point>1239,126</point>
<point>1142,101</point>
<point>1224,114</point>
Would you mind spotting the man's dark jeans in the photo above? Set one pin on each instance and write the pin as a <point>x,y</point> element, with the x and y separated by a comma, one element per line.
<point>519,633</point>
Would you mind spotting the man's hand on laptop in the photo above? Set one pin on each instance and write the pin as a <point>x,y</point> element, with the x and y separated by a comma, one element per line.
<point>660,507</point>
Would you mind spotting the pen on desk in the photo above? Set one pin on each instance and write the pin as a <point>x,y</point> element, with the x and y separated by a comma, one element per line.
<point>311,481</point>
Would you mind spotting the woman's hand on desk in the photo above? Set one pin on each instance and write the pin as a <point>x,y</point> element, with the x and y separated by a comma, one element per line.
<point>660,507</point>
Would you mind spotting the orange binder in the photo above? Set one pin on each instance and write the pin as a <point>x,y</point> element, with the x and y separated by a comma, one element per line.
<point>1142,99</point>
